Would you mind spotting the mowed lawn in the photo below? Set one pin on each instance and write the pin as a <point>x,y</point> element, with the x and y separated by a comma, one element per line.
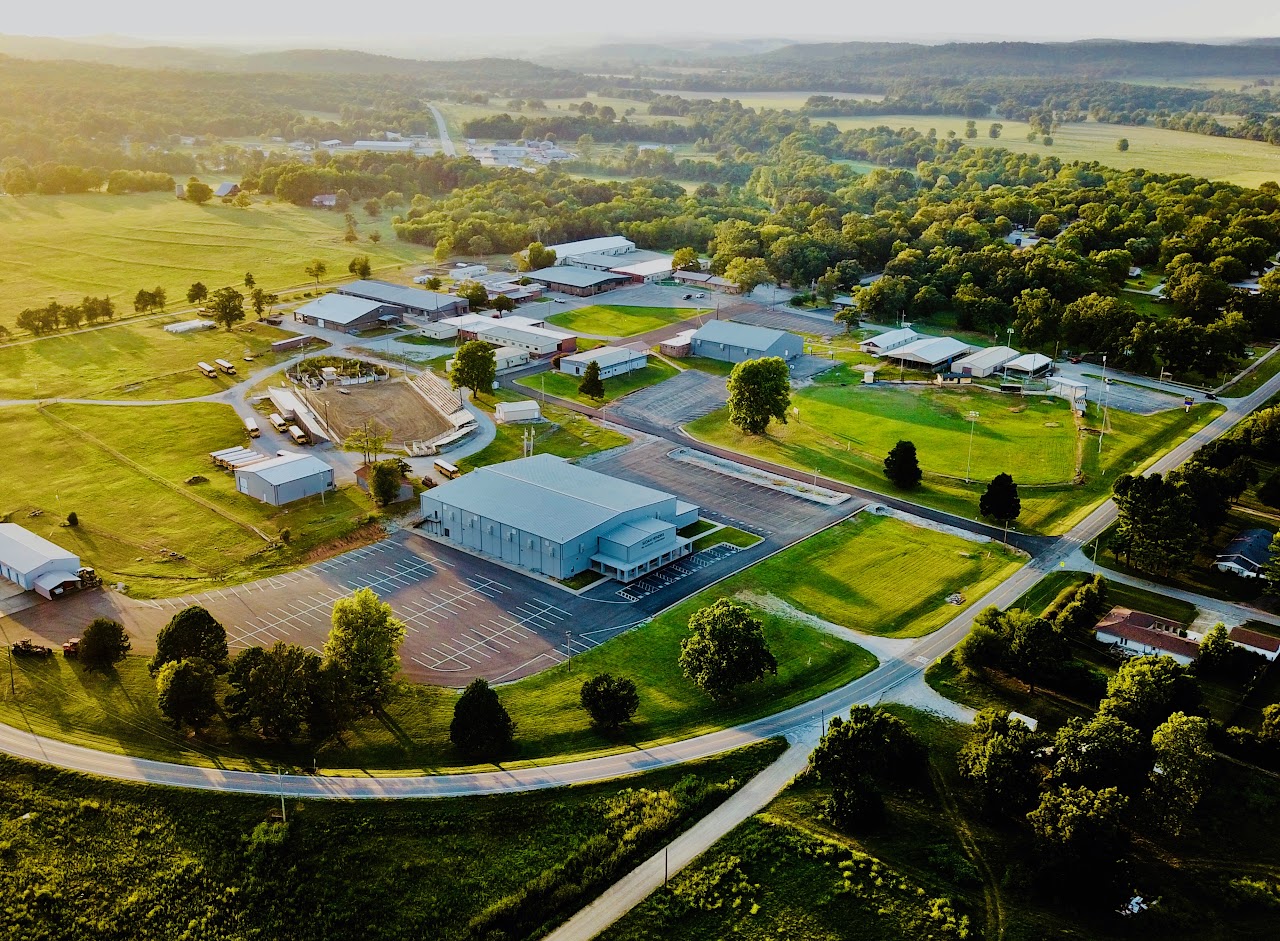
<point>64,247</point>
<point>122,470</point>
<point>616,320</point>
<point>134,361</point>
<point>564,434</point>
<point>1131,442</point>
<point>565,386</point>
<point>1035,439</point>
<point>1153,148</point>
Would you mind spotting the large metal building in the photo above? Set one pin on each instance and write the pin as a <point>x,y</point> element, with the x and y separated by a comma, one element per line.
<point>736,342</point>
<point>285,478</point>
<point>35,563</point>
<point>549,516</point>
<point>428,304</point>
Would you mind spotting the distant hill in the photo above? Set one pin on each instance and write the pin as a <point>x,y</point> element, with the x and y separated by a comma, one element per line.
<point>691,52</point>
<point>1086,59</point>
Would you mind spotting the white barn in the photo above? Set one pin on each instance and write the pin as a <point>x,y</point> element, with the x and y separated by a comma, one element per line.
<point>36,564</point>
<point>984,362</point>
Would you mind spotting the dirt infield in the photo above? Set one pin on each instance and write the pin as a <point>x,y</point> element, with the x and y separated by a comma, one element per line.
<point>392,404</point>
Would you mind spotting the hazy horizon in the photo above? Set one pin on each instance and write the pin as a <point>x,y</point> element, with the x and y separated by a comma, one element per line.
<point>403,27</point>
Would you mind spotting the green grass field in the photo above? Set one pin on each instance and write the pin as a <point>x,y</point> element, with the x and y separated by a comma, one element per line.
<point>145,863</point>
<point>565,386</point>
<point>134,361</point>
<point>68,458</point>
<point>564,434</point>
<point>1216,158</point>
<point>64,247</point>
<point>881,576</point>
<point>1131,442</point>
<point>617,320</point>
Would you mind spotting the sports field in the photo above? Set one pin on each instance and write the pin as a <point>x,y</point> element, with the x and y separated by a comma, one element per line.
<point>821,439</point>
<point>64,247</point>
<point>617,320</point>
<point>134,361</point>
<point>1216,158</point>
<point>122,471</point>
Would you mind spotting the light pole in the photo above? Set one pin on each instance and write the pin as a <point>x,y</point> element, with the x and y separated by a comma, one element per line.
<point>973,418</point>
<point>1106,396</point>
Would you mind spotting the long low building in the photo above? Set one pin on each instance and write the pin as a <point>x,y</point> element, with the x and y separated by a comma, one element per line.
<point>581,282</point>
<point>546,515</point>
<point>536,341</point>
<point>285,478</point>
<point>930,352</point>
<point>611,245</point>
<point>36,564</point>
<point>882,343</point>
<point>737,342</point>
<point>429,304</point>
<point>346,314</point>
<point>1029,365</point>
<point>984,362</point>
<point>612,360</point>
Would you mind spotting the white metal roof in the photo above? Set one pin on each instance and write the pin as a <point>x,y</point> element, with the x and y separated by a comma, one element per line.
<point>993,357</point>
<point>605,243</point>
<point>24,551</point>
<point>545,495</point>
<point>645,269</point>
<point>51,580</point>
<point>339,308</point>
<point>522,409</point>
<point>399,295</point>
<point>1029,362</point>
<point>287,468</point>
<point>629,534</point>
<point>574,276</point>
<point>931,350</point>
<point>891,338</point>
<point>498,330</point>
<point>738,334</point>
<point>606,356</point>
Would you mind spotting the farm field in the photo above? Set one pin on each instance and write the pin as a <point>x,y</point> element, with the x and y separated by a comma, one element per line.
<point>1164,151</point>
<point>148,862</point>
<point>64,247</point>
<point>617,320</point>
<point>1131,442</point>
<point>565,386</point>
<point>135,361</point>
<point>63,462</point>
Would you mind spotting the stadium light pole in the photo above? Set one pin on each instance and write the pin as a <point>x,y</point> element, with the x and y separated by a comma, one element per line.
<point>973,418</point>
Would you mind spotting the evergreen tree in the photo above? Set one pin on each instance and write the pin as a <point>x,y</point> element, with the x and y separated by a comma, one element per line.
<point>592,386</point>
<point>902,467</point>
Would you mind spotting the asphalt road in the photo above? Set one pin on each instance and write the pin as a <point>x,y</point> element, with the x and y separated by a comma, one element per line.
<point>446,142</point>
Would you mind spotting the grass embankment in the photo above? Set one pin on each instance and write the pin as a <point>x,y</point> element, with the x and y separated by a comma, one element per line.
<point>64,247</point>
<point>845,433</point>
<point>1160,150</point>
<point>619,320</point>
<point>874,574</point>
<point>135,361</point>
<point>85,857</point>
<point>564,434</point>
<point>937,860</point>
<point>117,467</point>
<point>565,386</point>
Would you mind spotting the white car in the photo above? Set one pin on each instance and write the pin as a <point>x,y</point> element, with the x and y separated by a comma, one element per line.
<point>700,296</point>
<point>559,300</point>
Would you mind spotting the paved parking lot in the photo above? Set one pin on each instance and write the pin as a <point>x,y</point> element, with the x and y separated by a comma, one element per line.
<point>675,401</point>
<point>1127,393</point>
<point>675,573</point>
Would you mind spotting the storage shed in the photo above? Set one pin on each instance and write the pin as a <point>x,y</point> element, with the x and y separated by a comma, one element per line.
<point>287,477</point>
<point>737,342</point>
<point>36,564</point>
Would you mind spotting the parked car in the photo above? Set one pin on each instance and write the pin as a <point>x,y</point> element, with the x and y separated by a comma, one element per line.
<point>1074,360</point>
<point>699,296</point>
<point>688,297</point>
<point>558,300</point>
<point>1211,397</point>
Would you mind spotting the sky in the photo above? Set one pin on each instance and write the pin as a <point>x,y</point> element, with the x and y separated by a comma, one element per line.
<point>406,24</point>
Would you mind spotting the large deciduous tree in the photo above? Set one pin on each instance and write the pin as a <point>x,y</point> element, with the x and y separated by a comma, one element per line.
<point>365,642</point>
<point>747,274</point>
<point>197,192</point>
<point>609,700</point>
<point>104,643</point>
<point>474,367</point>
<point>1183,765</point>
<point>535,257</point>
<point>902,467</point>
<point>725,648</point>
<point>226,307</point>
<point>1155,527</point>
<point>1145,691</point>
<point>856,754</point>
<point>186,693</point>
<point>481,727</point>
<point>273,688</point>
<point>759,392</point>
<point>1001,762</point>
<point>191,634</point>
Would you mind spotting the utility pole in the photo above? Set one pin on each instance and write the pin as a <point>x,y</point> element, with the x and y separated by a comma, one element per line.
<point>973,418</point>
<point>568,649</point>
<point>1106,396</point>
